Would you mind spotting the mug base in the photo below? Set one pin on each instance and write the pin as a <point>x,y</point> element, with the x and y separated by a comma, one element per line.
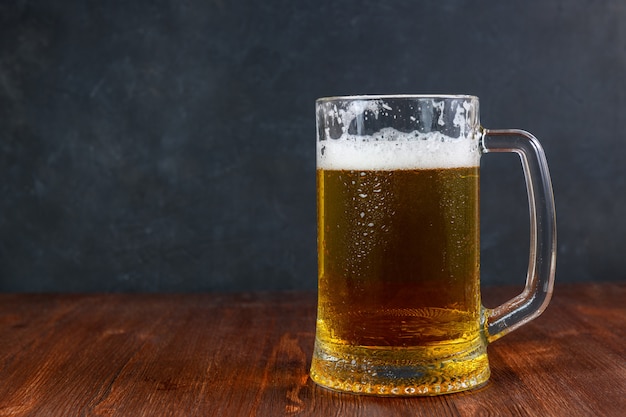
<point>394,372</point>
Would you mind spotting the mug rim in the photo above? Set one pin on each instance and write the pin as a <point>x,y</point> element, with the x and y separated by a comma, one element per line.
<point>398,96</point>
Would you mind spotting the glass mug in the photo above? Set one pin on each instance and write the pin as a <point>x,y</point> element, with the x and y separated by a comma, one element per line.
<point>399,307</point>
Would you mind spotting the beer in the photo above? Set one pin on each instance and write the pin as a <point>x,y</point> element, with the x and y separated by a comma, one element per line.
<point>399,309</point>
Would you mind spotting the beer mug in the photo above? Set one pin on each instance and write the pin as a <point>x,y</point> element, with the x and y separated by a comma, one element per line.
<point>399,306</point>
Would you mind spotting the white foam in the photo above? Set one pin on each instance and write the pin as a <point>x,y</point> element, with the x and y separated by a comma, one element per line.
<point>390,150</point>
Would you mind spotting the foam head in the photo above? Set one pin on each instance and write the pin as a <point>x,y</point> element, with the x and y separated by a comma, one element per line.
<point>397,132</point>
<point>392,150</point>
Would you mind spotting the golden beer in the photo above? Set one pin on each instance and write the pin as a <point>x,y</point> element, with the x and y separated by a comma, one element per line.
<point>399,281</point>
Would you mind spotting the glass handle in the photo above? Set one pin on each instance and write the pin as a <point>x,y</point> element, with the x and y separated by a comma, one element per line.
<point>542,262</point>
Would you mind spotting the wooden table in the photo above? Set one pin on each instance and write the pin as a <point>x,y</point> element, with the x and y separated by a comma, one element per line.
<point>248,355</point>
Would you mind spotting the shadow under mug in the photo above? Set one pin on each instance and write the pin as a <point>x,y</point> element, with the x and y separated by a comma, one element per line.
<point>399,306</point>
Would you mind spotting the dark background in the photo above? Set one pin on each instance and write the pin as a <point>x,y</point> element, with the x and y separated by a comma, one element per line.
<point>169,145</point>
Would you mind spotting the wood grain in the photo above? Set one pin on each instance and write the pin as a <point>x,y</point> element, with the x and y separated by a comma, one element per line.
<point>248,355</point>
